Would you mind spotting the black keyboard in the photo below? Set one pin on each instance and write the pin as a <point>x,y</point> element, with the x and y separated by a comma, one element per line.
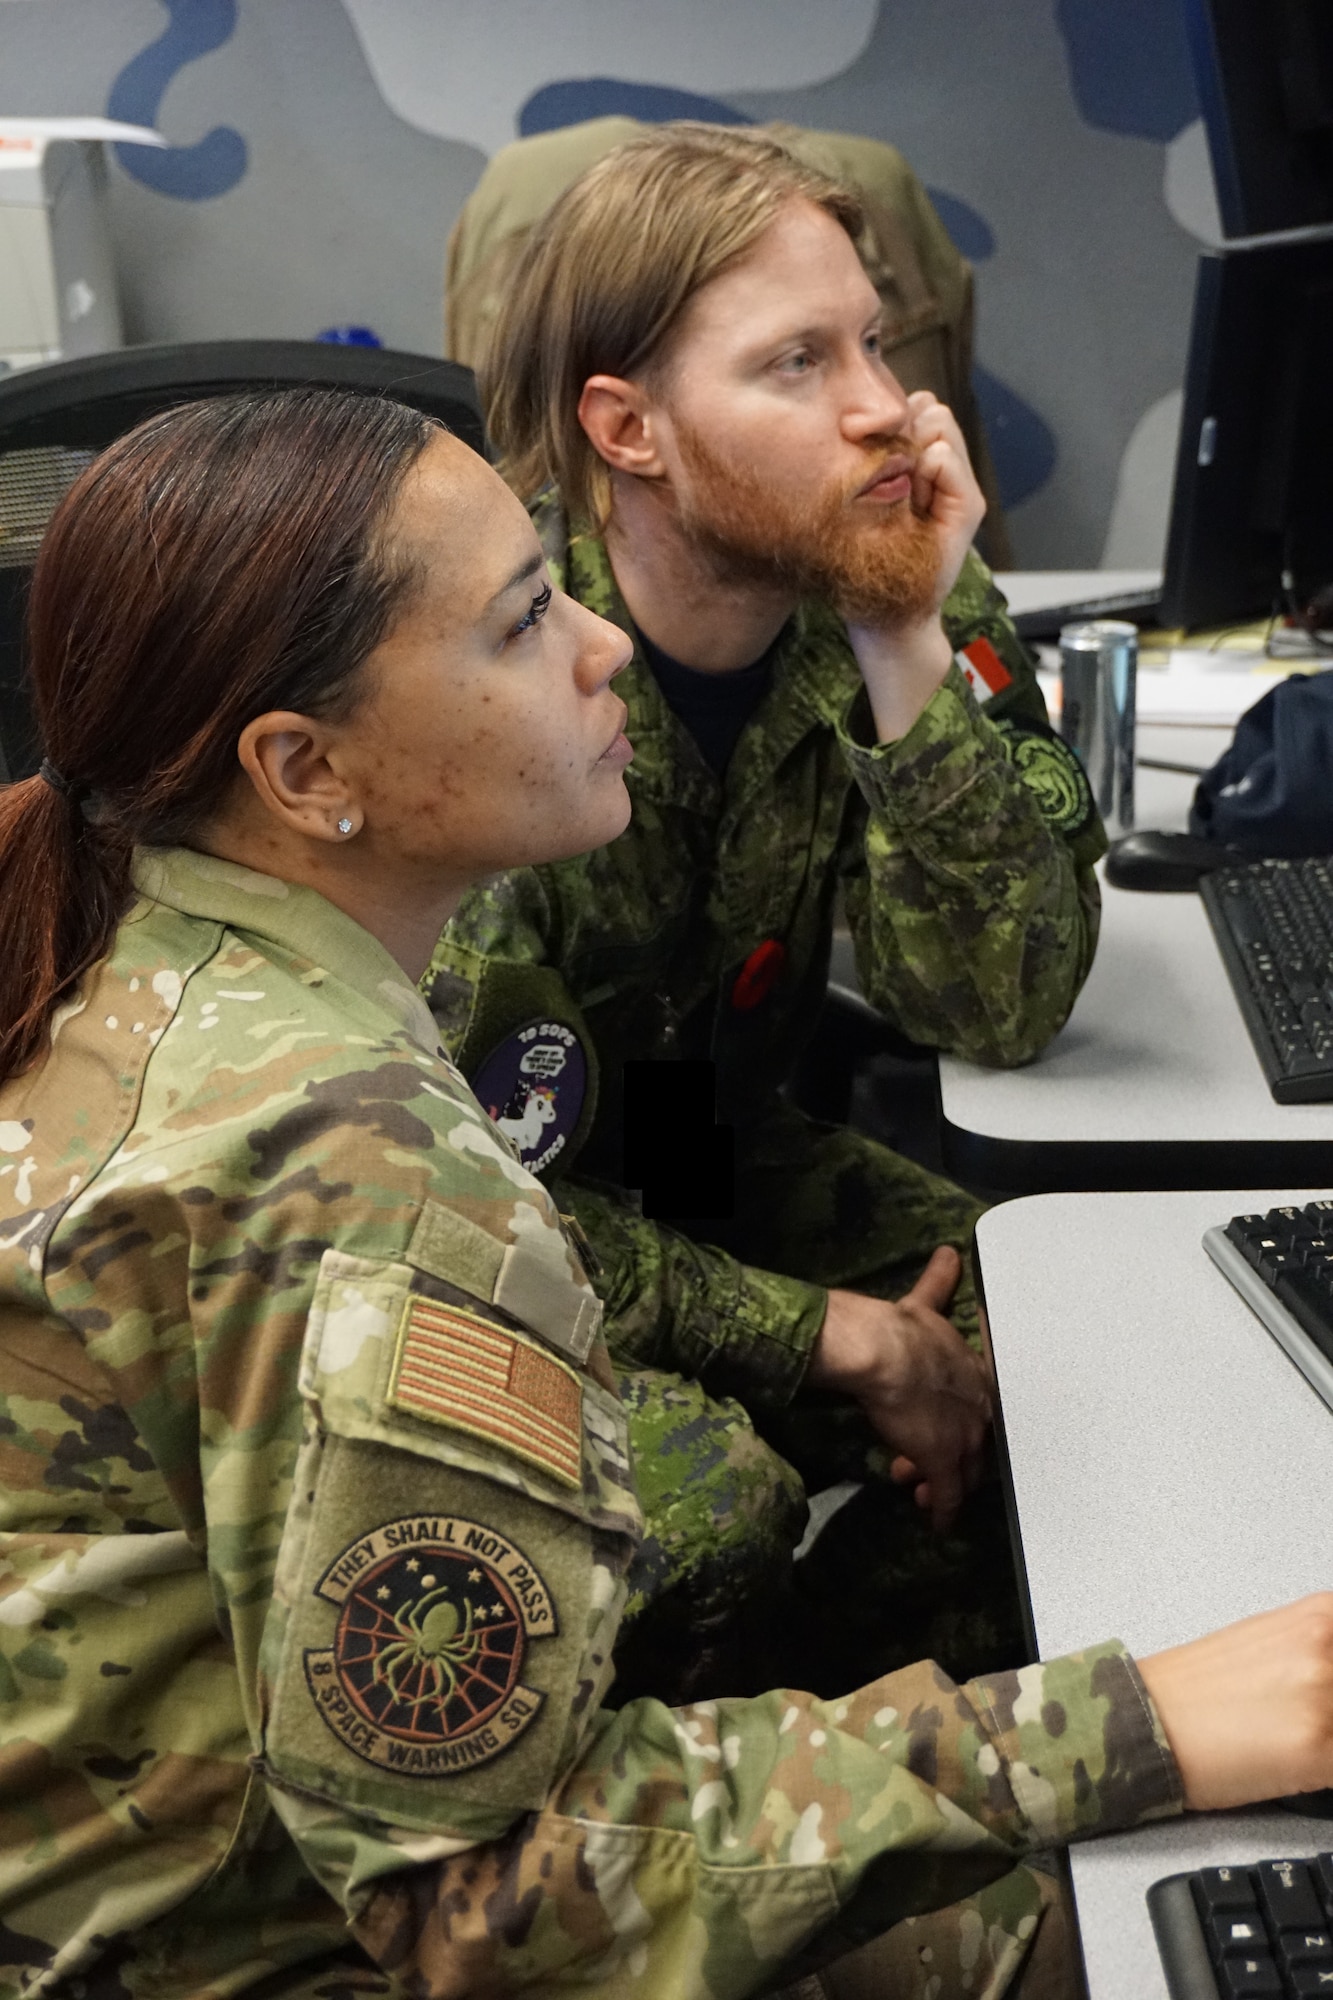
<point>1281,1263</point>
<point>1274,926</point>
<point>1256,1933</point>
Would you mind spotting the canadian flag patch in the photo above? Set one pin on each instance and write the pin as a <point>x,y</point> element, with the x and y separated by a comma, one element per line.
<point>986,672</point>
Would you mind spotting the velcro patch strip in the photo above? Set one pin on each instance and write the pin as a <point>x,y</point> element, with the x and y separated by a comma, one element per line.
<point>454,1368</point>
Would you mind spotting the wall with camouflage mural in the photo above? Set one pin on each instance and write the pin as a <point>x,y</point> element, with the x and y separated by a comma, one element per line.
<point>320,150</point>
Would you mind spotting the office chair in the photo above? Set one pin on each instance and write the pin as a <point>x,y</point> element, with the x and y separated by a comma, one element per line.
<point>54,420</point>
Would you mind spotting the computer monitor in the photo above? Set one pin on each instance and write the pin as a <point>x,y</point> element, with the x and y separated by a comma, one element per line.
<point>1252,512</point>
<point>1265,75</point>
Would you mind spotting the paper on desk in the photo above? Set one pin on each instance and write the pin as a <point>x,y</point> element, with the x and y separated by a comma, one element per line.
<point>1189,695</point>
<point>1191,692</point>
<point>29,135</point>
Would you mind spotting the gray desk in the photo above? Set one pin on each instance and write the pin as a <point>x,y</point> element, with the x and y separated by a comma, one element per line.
<point>1171,1472</point>
<point>1153,1081</point>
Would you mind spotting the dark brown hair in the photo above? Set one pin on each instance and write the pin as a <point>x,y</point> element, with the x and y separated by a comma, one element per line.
<point>223,558</point>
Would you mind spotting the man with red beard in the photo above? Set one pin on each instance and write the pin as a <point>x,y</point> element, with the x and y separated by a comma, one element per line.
<point>826,703</point>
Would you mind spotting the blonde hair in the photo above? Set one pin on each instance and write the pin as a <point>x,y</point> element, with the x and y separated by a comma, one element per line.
<point>606,275</point>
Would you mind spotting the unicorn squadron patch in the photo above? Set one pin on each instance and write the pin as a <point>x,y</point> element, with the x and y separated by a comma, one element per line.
<point>533,1086</point>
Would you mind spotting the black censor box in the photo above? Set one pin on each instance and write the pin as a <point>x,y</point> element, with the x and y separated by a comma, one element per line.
<point>676,1153</point>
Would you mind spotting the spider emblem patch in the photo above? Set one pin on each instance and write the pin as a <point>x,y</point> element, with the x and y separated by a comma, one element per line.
<point>434,1618</point>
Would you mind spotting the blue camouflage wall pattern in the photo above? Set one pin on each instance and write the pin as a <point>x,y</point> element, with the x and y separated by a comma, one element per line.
<point>210,166</point>
<point>320,149</point>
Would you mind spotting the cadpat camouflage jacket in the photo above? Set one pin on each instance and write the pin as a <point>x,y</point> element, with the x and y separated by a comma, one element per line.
<point>964,856</point>
<point>315,1510</point>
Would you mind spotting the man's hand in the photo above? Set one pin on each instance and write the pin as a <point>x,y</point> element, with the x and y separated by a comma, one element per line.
<point>1248,1711</point>
<point>903,666</point>
<point>944,487</point>
<point>920,1384</point>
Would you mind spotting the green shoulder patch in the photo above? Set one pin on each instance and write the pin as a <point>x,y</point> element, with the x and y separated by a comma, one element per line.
<point>1051,770</point>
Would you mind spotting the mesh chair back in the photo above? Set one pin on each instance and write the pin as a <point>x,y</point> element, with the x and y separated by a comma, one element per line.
<point>33,480</point>
<point>53,421</point>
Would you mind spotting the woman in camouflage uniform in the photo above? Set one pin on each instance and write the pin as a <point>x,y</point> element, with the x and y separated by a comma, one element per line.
<point>316,1501</point>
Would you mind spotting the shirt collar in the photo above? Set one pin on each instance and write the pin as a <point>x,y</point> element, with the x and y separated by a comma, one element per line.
<point>814,664</point>
<point>297,919</point>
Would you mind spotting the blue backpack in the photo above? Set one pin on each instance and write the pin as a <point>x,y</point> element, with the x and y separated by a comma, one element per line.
<point>1271,790</point>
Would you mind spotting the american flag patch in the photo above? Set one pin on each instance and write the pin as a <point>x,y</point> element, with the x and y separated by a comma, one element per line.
<point>452,1367</point>
<point>986,672</point>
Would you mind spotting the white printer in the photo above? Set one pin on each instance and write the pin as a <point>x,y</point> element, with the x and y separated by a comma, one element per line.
<point>58,294</point>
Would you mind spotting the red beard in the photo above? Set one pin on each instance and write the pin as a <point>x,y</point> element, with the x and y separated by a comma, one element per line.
<point>879,568</point>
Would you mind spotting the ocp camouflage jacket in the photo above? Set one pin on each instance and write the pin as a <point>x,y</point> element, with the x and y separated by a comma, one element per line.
<point>314,1508</point>
<point>963,855</point>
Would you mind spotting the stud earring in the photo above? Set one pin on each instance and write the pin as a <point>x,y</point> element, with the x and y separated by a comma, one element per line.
<point>344,826</point>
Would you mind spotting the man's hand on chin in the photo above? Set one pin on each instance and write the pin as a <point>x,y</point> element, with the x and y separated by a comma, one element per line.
<point>903,663</point>
<point>944,486</point>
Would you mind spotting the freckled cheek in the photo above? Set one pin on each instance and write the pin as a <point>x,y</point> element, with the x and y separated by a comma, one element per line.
<point>410,798</point>
<point>432,767</point>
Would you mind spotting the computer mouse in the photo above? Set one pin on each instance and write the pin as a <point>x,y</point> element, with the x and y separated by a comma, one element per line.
<point>1146,859</point>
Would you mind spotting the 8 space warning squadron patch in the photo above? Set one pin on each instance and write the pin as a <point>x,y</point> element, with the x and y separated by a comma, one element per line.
<point>423,1677</point>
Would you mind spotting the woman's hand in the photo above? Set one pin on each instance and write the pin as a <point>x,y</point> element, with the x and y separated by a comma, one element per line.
<point>1248,1711</point>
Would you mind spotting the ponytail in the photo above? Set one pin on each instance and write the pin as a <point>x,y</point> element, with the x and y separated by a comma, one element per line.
<point>62,893</point>
<point>222,559</point>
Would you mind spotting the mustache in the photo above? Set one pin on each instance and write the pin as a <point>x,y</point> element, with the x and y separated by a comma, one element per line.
<point>882,458</point>
<point>877,566</point>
